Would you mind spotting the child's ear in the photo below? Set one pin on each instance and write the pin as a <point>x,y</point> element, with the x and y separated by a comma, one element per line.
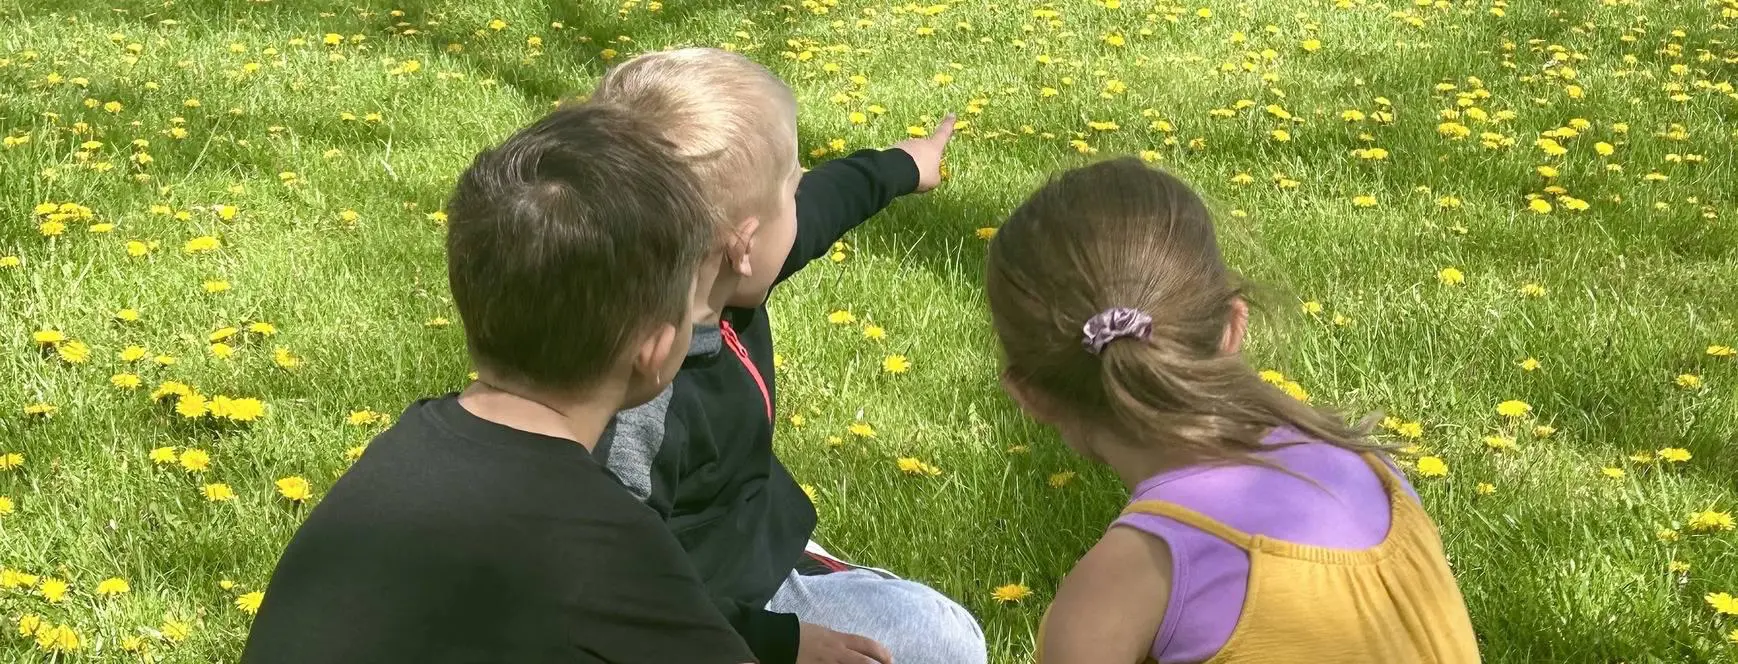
<point>1236,327</point>
<point>741,247</point>
<point>654,351</point>
<point>1026,398</point>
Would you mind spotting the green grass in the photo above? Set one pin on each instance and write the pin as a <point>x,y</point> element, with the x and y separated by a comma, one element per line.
<point>1559,564</point>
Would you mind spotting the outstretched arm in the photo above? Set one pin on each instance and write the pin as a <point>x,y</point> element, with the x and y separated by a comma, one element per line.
<point>841,194</point>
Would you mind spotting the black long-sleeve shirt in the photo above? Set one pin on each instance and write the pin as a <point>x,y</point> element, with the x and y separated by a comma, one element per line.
<point>701,453</point>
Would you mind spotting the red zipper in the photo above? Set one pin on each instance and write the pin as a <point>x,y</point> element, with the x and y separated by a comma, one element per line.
<point>735,344</point>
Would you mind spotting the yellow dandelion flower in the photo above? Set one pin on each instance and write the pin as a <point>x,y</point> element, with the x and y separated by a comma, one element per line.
<point>6,506</point>
<point>1724,603</point>
<point>1721,351</point>
<point>1532,290</point>
<point>1061,479</point>
<point>295,488</point>
<point>218,492</point>
<point>125,381</point>
<point>1674,454</point>
<point>1530,364</point>
<point>875,332</point>
<point>861,430</point>
<point>1611,472</point>
<point>841,317</point>
<point>1485,488</point>
<point>1689,381</point>
<point>1014,592</point>
<point>203,244</point>
<point>1710,521</point>
<point>1450,276</point>
<point>1540,206</point>
<point>1666,535</point>
<point>1431,466</point>
<point>1500,443</point>
<point>73,352</point>
<point>112,586</point>
<point>53,590</point>
<point>190,406</point>
<point>163,456</point>
<point>249,602</point>
<point>1513,408</point>
<point>195,460</point>
<point>895,364</point>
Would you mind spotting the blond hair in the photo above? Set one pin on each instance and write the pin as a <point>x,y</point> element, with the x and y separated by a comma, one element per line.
<point>732,119</point>
<point>1120,234</point>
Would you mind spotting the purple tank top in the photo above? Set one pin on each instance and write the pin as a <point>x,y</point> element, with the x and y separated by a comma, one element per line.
<point>1210,576</point>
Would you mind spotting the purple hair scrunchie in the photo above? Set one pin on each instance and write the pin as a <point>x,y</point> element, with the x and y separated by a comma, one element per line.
<point>1116,323</point>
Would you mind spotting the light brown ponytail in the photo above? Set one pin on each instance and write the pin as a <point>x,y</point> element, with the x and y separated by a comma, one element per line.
<point>1120,234</point>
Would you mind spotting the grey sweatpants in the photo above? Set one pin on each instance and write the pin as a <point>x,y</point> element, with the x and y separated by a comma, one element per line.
<point>917,624</point>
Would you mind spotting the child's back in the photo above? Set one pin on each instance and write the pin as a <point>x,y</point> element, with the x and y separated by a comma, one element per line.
<point>456,539</point>
<point>1331,541</point>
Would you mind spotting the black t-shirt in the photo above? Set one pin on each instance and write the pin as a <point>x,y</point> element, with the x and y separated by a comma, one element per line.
<point>455,539</point>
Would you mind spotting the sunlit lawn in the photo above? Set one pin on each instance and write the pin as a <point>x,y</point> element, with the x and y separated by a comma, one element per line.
<point>1452,206</point>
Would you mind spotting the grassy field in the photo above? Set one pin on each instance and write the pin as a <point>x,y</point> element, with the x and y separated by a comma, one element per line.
<point>1454,205</point>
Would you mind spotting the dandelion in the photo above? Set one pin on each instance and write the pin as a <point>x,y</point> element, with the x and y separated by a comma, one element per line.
<point>215,286</point>
<point>73,352</point>
<point>295,488</point>
<point>1530,364</point>
<point>1450,276</point>
<point>1500,443</point>
<point>874,332</point>
<point>1061,479</point>
<point>284,359</point>
<point>841,317</point>
<point>861,430</point>
<point>1539,206</point>
<point>1689,381</point>
<point>218,492</point>
<point>1674,454</point>
<point>355,453</point>
<point>363,417</point>
<point>1666,535</point>
<point>1611,472</point>
<point>1710,521</point>
<point>58,639</point>
<point>1723,603</point>
<point>190,406</point>
<point>1513,408</point>
<point>1012,592</point>
<point>1410,430</point>
<point>1431,466</point>
<point>249,602</point>
<point>125,381</point>
<point>1532,290</point>
<point>1485,488</point>
<point>195,460</point>
<point>1312,307</point>
<point>112,586</point>
<point>203,244</point>
<point>6,506</point>
<point>896,364</point>
<point>163,456</point>
<point>48,337</point>
<point>1721,351</point>
<point>53,590</point>
<point>41,409</point>
<point>912,466</point>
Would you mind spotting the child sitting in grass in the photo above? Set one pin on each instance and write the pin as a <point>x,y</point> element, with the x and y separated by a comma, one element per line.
<point>1260,529</point>
<point>480,527</point>
<point>701,453</point>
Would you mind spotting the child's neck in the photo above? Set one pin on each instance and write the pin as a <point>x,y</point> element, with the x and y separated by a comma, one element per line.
<point>1132,463</point>
<point>579,420</point>
<point>717,297</point>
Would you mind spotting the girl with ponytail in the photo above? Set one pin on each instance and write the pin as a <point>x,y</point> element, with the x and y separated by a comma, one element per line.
<point>1260,529</point>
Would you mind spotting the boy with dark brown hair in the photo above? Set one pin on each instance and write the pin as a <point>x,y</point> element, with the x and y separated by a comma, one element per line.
<point>480,527</point>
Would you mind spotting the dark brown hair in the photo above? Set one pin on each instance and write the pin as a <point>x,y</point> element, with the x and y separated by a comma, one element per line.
<point>567,240</point>
<point>1121,234</point>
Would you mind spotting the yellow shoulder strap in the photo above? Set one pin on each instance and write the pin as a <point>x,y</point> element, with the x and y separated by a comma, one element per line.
<point>1193,519</point>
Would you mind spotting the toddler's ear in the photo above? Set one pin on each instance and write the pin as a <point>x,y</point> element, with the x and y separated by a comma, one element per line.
<point>740,250</point>
<point>1029,401</point>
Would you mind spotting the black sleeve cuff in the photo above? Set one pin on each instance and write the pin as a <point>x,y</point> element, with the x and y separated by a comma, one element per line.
<point>895,167</point>
<point>772,636</point>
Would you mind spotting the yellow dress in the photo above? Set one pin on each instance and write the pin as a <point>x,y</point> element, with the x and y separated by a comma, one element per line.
<point>1394,603</point>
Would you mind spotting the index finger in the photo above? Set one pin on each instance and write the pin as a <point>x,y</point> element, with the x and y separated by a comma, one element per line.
<point>944,129</point>
<point>870,647</point>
